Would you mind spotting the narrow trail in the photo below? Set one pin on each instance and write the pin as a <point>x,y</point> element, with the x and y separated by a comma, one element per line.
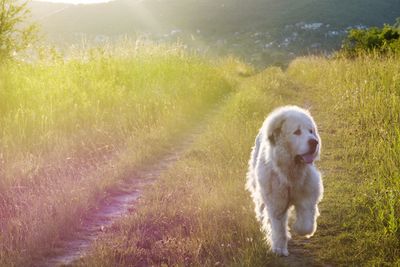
<point>299,256</point>
<point>121,202</point>
<point>124,200</point>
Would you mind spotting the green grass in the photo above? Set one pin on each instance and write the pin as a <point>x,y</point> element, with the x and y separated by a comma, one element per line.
<point>211,220</point>
<point>70,131</point>
<point>359,102</point>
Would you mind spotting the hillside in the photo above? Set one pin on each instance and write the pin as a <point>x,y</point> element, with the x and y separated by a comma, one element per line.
<point>74,132</point>
<point>43,10</point>
<point>257,30</point>
<point>220,16</point>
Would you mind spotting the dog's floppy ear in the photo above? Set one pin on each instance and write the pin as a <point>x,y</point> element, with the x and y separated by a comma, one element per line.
<point>274,129</point>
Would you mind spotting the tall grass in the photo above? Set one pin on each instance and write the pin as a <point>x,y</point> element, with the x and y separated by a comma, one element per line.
<point>199,213</point>
<point>363,99</point>
<point>69,130</point>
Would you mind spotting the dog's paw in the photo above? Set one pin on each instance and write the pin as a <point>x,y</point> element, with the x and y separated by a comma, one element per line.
<point>304,229</point>
<point>281,251</point>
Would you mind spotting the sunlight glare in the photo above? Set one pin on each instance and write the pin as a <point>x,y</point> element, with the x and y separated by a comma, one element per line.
<point>75,2</point>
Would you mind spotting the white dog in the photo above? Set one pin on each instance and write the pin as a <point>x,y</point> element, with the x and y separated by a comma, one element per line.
<point>281,174</point>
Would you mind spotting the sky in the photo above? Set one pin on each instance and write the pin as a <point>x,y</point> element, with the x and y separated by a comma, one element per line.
<point>76,1</point>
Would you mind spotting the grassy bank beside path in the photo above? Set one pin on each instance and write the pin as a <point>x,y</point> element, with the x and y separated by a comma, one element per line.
<point>69,131</point>
<point>199,214</point>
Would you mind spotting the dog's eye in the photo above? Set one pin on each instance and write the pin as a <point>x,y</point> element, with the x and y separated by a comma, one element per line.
<point>297,132</point>
<point>311,131</point>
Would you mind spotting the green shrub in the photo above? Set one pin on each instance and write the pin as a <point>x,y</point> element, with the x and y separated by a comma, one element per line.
<point>380,40</point>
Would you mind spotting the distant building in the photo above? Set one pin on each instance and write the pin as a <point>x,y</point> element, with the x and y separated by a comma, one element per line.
<point>312,26</point>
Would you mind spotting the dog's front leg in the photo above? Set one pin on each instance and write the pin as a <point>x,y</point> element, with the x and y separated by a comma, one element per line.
<point>279,233</point>
<point>306,216</point>
<point>278,216</point>
<point>306,206</point>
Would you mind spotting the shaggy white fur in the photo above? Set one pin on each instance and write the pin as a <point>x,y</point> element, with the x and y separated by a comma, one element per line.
<point>282,174</point>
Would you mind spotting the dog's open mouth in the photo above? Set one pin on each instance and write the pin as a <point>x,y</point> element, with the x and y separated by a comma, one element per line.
<point>307,158</point>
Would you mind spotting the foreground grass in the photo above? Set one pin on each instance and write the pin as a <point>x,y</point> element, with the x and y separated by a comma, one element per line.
<point>359,105</point>
<point>70,131</point>
<point>198,214</point>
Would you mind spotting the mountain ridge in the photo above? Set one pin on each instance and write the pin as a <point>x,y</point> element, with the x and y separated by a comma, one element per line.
<point>219,16</point>
<point>261,32</point>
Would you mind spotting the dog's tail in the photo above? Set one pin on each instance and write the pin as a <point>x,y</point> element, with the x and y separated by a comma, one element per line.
<point>256,150</point>
<point>251,184</point>
<point>251,179</point>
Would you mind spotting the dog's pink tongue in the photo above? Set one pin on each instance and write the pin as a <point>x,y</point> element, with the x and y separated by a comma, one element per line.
<point>308,158</point>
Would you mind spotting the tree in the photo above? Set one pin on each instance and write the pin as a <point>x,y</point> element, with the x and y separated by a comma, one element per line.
<point>15,33</point>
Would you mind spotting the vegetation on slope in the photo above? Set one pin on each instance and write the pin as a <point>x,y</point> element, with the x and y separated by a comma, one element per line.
<point>198,214</point>
<point>71,130</point>
<point>379,40</point>
<point>361,97</point>
<point>211,221</point>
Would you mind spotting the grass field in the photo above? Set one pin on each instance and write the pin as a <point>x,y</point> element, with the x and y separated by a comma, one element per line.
<point>71,131</point>
<point>211,222</point>
<point>360,101</point>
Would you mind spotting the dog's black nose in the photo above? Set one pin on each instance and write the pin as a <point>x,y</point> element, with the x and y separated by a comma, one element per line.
<point>313,144</point>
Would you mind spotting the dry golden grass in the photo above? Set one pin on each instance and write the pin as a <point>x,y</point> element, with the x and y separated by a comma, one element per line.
<point>198,214</point>
<point>71,130</point>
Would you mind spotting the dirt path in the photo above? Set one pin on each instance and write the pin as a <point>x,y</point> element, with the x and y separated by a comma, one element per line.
<point>120,203</point>
<point>299,255</point>
<point>124,200</point>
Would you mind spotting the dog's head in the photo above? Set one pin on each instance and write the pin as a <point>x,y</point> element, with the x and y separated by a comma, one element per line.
<point>292,133</point>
